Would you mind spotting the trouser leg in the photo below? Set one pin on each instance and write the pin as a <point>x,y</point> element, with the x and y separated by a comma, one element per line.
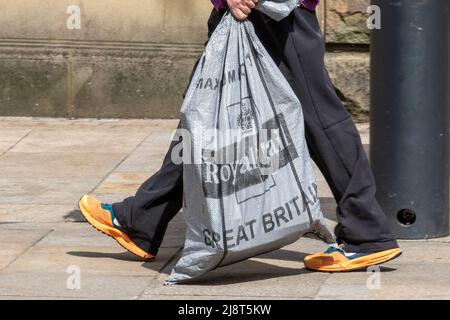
<point>146,215</point>
<point>297,46</point>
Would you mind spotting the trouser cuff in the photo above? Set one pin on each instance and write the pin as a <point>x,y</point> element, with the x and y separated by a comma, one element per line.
<point>148,246</point>
<point>369,247</point>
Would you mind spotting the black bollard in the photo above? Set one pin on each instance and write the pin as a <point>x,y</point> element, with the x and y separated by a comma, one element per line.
<point>410,116</point>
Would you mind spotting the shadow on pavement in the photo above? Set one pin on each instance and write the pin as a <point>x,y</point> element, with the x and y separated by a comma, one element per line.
<point>247,271</point>
<point>74,216</point>
<point>125,256</point>
<point>241,272</point>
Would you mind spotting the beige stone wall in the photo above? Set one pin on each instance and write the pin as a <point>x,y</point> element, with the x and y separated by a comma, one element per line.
<point>133,58</point>
<point>348,61</point>
<point>346,21</point>
<point>129,59</point>
<point>154,21</point>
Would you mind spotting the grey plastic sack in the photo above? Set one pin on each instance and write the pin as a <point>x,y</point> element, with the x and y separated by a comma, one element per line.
<point>249,187</point>
<point>277,9</point>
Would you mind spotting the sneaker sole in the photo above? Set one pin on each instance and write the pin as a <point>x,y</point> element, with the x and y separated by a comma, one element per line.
<point>360,263</point>
<point>117,235</point>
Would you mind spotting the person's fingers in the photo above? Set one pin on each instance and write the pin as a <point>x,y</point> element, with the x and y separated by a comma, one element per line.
<point>250,4</point>
<point>245,9</point>
<point>238,14</point>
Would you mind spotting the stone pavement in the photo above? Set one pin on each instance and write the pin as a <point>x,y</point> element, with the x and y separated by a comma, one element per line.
<point>47,164</point>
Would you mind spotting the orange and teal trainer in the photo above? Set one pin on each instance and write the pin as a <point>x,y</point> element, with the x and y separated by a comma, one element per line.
<point>101,216</point>
<point>335,259</point>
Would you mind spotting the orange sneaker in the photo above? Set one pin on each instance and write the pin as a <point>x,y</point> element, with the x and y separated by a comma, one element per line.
<point>337,260</point>
<point>101,216</point>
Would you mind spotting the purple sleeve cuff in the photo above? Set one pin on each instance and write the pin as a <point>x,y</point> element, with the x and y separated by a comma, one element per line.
<point>310,4</point>
<point>219,4</point>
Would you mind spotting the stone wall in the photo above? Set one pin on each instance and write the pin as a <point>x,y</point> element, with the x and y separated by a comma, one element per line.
<point>348,42</point>
<point>133,58</point>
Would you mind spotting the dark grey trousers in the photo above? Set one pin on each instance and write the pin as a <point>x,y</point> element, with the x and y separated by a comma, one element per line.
<point>297,46</point>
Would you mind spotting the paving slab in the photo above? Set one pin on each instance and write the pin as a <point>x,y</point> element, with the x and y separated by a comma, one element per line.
<point>10,252</point>
<point>421,272</point>
<point>442,240</point>
<point>124,182</point>
<point>24,236</point>
<point>68,166</point>
<point>5,146</point>
<point>46,178</point>
<point>278,274</point>
<point>83,234</point>
<point>14,243</point>
<point>419,252</point>
<point>81,139</point>
<point>113,197</point>
<point>39,284</point>
<point>49,191</point>
<point>255,278</point>
<point>13,132</point>
<point>36,213</point>
<point>72,235</point>
<point>91,259</point>
<point>150,152</point>
<point>145,158</point>
<point>396,281</point>
<point>27,226</point>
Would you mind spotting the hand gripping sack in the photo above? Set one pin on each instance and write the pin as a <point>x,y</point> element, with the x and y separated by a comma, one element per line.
<point>249,187</point>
